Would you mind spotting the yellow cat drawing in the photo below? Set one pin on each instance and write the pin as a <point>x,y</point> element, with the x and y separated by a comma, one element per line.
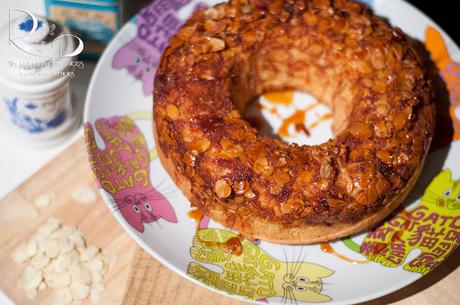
<point>433,227</point>
<point>255,274</point>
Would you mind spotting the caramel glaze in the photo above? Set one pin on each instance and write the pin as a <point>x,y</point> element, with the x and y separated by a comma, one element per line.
<point>366,71</point>
<point>326,247</point>
<point>232,245</point>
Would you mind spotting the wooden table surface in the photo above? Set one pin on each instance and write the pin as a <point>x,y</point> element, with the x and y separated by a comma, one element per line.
<point>20,218</point>
<point>135,278</point>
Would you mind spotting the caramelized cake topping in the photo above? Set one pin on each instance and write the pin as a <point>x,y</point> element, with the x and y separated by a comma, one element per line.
<point>367,72</point>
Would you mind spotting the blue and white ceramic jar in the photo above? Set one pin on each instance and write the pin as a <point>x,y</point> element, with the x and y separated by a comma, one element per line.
<point>35,71</point>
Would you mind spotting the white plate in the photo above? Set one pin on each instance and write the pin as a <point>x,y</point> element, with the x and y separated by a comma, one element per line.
<point>148,205</point>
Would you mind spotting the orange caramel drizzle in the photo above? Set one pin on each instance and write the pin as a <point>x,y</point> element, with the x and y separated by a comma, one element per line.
<point>323,118</point>
<point>326,247</point>
<point>300,127</point>
<point>280,97</point>
<point>274,112</point>
<point>196,215</point>
<point>232,245</point>
<point>297,118</point>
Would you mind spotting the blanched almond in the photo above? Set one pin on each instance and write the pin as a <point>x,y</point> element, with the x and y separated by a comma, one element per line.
<point>88,253</point>
<point>52,225</point>
<point>200,145</point>
<point>55,262</point>
<point>172,111</point>
<point>79,291</point>
<point>80,274</point>
<point>291,206</point>
<point>59,280</point>
<point>32,248</point>
<point>20,254</point>
<point>43,200</point>
<point>222,188</point>
<point>361,130</point>
<point>216,44</point>
<point>84,195</point>
<point>40,261</point>
<point>78,239</point>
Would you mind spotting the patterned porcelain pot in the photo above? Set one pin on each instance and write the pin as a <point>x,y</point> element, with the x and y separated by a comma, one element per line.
<point>35,60</point>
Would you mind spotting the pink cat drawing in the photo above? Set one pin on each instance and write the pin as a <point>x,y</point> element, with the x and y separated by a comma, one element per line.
<point>122,169</point>
<point>155,25</point>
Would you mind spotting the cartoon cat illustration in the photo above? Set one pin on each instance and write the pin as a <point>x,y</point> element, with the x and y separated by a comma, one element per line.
<point>155,25</point>
<point>122,169</point>
<point>450,72</point>
<point>254,274</point>
<point>433,227</point>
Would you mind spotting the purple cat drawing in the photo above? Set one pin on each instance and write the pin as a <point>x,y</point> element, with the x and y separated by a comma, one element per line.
<point>155,25</point>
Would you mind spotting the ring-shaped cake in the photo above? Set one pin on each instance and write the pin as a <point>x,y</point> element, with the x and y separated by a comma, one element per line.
<point>366,71</point>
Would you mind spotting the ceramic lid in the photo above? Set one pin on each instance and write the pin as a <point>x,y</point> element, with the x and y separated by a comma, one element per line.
<point>34,50</point>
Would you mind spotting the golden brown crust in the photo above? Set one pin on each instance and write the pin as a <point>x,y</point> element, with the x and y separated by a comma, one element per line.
<point>258,228</point>
<point>366,71</point>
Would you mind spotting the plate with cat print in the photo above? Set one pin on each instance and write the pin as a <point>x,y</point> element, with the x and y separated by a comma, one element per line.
<point>146,202</point>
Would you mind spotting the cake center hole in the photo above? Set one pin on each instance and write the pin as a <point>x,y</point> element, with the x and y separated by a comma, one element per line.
<point>293,116</point>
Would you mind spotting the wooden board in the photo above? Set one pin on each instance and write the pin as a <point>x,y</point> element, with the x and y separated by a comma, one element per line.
<point>19,219</point>
<point>152,283</point>
<point>148,282</point>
